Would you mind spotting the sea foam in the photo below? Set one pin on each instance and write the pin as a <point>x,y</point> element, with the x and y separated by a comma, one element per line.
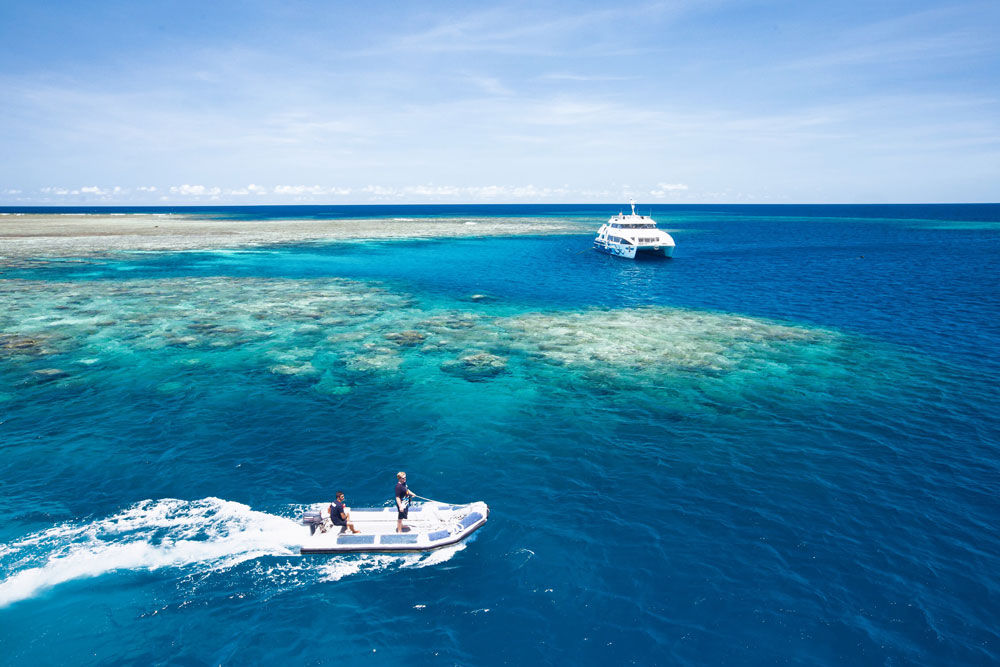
<point>211,533</point>
<point>208,535</point>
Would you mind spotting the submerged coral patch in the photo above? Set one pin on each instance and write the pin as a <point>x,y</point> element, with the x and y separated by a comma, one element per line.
<point>653,340</point>
<point>476,366</point>
<point>336,335</point>
<point>406,338</point>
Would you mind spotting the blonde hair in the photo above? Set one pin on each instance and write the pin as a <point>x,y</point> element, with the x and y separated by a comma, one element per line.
<point>400,474</point>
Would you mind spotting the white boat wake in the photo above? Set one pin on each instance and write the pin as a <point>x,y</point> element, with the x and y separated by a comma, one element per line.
<point>338,568</point>
<point>208,535</point>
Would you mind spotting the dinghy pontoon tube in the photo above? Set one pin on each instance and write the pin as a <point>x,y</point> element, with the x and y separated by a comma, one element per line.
<point>431,526</point>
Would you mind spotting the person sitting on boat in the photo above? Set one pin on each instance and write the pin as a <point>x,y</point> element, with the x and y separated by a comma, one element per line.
<point>402,500</point>
<point>341,516</point>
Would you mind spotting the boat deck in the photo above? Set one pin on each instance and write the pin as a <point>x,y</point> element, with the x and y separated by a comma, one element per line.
<point>429,526</point>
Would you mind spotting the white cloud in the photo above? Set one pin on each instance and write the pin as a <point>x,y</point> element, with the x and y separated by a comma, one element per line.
<point>372,193</point>
<point>300,190</point>
<point>557,76</point>
<point>194,190</point>
<point>595,194</point>
<point>664,189</point>
<point>489,85</point>
<point>380,191</point>
<point>432,190</point>
<point>497,30</point>
<point>465,193</point>
<point>487,191</point>
<point>530,192</point>
<point>248,190</point>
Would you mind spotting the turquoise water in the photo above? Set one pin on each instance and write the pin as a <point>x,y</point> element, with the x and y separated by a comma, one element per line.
<point>780,445</point>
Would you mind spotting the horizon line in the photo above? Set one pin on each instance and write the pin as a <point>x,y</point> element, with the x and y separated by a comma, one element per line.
<point>455,205</point>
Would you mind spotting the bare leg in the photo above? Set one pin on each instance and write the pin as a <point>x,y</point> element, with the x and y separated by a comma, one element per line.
<point>349,524</point>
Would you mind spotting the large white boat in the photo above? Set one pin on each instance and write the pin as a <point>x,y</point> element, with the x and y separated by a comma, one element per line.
<point>625,235</point>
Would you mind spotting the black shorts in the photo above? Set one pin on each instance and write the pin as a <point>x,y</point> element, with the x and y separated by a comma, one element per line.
<point>405,514</point>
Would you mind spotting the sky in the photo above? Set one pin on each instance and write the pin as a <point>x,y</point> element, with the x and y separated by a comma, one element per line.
<point>336,102</point>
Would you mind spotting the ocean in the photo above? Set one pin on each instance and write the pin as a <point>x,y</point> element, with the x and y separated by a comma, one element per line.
<point>782,445</point>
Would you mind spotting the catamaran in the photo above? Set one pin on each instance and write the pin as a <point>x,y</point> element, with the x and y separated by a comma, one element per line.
<point>625,235</point>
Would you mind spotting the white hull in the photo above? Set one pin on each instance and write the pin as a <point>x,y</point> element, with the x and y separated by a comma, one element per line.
<point>627,235</point>
<point>430,526</point>
<point>664,251</point>
<point>630,252</point>
<point>616,249</point>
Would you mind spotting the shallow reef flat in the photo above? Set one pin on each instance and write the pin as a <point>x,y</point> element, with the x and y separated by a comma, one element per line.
<point>31,235</point>
<point>330,336</point>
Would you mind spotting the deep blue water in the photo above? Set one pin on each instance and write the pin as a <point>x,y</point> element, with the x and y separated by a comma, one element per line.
<point>781,445</point>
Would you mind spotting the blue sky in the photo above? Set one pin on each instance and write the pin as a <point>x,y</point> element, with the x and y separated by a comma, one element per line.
<point>348,102</point>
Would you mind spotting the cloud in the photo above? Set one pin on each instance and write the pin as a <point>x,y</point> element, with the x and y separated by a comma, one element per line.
<point>587,78</point>
<point>248,190</point>
<point>487,191</point>
<point>932,35</point>
<point>300,190</point>
<point>531,191</point>
<point>422,192</point>
<point>595,194</point>
<point>87,190</point>
<point>489,85</point>
<point>380,191</point>
<point>195,190</point>
<point>664,189</point>
<point>464,193</point>
<point>512,32</point>
<point>432,190</point>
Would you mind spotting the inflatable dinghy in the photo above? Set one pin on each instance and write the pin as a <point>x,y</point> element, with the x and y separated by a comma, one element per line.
<point>430,526</point>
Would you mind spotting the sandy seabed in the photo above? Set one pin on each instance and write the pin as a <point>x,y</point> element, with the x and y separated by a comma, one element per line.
<point>24,236</point>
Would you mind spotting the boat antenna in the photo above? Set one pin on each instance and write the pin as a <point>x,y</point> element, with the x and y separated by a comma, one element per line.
<point>632,202</point>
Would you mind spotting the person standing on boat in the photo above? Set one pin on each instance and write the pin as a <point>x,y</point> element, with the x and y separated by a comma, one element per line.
<point>341,516</point>
<point>402,500</point>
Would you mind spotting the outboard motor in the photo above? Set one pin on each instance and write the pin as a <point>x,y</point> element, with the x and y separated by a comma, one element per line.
<point>313,519</point>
